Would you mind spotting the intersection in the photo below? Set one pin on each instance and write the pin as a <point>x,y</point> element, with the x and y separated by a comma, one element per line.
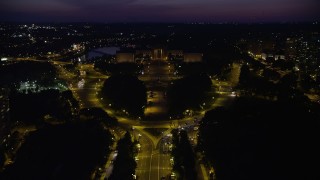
<point>153,162</point>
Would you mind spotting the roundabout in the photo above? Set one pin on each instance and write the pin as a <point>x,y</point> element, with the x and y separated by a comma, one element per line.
<point>153,158</point>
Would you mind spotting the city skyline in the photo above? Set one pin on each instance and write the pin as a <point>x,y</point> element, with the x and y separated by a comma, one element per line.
<point>165,101</point>
<point>243,11</point>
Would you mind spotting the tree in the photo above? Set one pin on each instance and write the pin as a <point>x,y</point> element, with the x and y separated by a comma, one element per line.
<point>42,72</point>
<point>32,107</point>
<point>283,64</point>
<point>188,92</point>
<point>259,139</point>
<point>68,151</point>
<point>2,157</point>
<point>125,92</point>
<point>188,156</point>
<point>191,68</point>
<point>125,164</point>
<point>287,88</point>
<point>100,115</point>
<point>307,82</point>
<point>245,75</point>
<point>271,74</point>
<point>119,68</point>
<point>182,152</point>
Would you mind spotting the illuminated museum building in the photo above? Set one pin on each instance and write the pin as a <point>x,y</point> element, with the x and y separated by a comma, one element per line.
<point>4,105</point>
<point>157,54</point>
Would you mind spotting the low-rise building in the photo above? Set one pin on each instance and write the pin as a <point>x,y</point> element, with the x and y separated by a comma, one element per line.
<point>192,57</point>
<point>157,54</point>
<point>122,57</point>
<point>4,105</point>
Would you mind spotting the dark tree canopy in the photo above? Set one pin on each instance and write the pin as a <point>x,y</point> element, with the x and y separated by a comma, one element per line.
<point>184,157</point>
<point>288,90</point>
<point>98,114</point>
<point>306,82</point>
<point>118,68</point>
<point>43,72</point>
<point>2,157</point>
<point>260,85</point>
<point>190,68</point>
<point>219,58</point>
<point>125,164</point>
<point>262,140</point>
<point>283,64</point>
<point>245,75</point>
<point>69,151</point>
<point>31,108</point>
<point>125,92</point>
<point>271,74</point>
<point>188,92</point>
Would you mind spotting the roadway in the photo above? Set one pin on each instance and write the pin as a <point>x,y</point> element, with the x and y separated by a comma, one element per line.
<point>144,162</point>
<point>153,160</point>
<point>157,76</point>
<point>84,87</point>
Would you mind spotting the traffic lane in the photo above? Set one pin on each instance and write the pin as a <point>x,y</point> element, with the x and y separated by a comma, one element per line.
<point>161,160</point>
<point>109,165</point>
<point>155,171</point>
<point>144,156</point>
<point>164,157</point>
<point>87,94</point>
<point>165,167</point>
<point>160,166</point>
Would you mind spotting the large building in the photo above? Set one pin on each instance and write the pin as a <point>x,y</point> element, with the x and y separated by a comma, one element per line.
<point>157,54</point>
<point>123,57</point>
<point>4,112</point>
<point>4,105</point>
<point>192,57</point>
<point>273,56</point>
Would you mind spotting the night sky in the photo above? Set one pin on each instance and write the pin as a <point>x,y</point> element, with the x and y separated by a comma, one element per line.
<point>159,10</point>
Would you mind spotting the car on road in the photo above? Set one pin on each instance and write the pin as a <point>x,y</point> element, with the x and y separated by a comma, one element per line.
<point>136,158</point>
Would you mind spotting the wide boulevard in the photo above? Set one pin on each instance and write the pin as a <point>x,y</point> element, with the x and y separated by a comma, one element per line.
<point>153,158</point>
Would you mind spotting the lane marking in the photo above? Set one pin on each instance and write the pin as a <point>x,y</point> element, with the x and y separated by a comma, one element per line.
<point>159,165</point>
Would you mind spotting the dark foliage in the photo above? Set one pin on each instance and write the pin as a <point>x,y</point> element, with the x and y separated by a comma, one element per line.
<point>307,82</point>
<point>188,92</point>
<point>288,91</point>
<point>125,92</point>
<point>2,156</point>
<point>283,64</point>
<point>30,108</point>
<point>271,74</point>
<point>43,72</point>
<point>119,68</point>
<point>257,84</point>
<point>124,165</point>
<point>262,140</point>
<point>245,75</point>
<point>69,151</point>
<point>182,152</point>
<point>219,57</point>
<point>190,68</point>
<point>98,114</point>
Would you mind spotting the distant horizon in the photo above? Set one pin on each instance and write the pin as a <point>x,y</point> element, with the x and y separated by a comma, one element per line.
<point>315,22</point>
<point>168,11</point>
